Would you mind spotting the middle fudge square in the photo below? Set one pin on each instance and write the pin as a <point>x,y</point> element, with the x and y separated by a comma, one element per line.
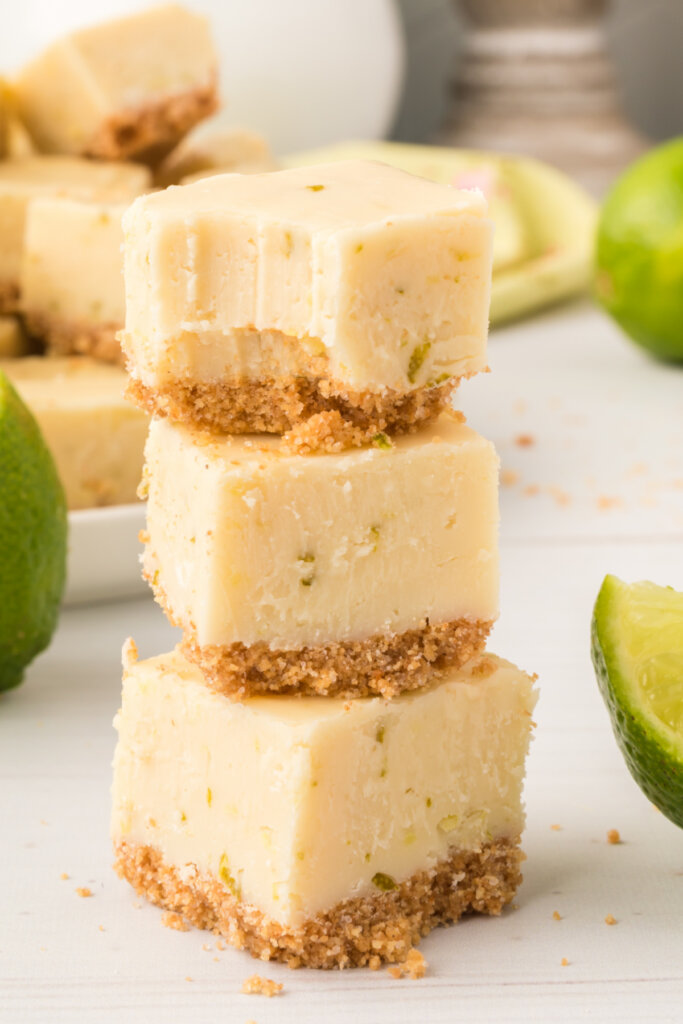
<point>348,574</point>
<point>254,302</point>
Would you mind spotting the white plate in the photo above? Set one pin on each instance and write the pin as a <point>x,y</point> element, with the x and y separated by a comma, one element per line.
<point>104,550</point>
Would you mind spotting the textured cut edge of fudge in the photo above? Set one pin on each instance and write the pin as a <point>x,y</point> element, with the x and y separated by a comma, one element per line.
<point>357,932</point>
<point>383,664</point>
<point>9,296</point>
<point>66,337</point>
<point>148,133</point>
<point>277,406</point>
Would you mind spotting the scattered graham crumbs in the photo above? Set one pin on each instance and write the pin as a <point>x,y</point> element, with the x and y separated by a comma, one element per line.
<point>613,836</point>
<point>220,945</point>
<point>610,919</point>
<point>531,491</point>
<point>188,978</point>
<point>556,828</point>
<point>258,986</point>
<point>509,477</point>
<point>561,497</point>
<point>525,440</point>
<point>564,962</point>
<point>206,947</point>
<point>374,963</point>
<point>485,667</point>
<point>177,922</point>
<point>64,876</point>
<point>414,966</point>
<point>101,927</point>
<point>83,891</point>
<point>605,501</point>
<point>557,916</point>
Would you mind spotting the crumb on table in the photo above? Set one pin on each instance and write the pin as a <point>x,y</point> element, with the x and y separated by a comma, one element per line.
<point>83,891</point>
<point>414,966</point>
<point>557,916</point>
<point>64,876</point>
<point>613,836</point>
<point>509,477</point>
<point>556,828</point>
<point>258,986</point>
<point>177,922</point>
<point>610,919</point>
<point>564,962</point>
<point>525,440</point>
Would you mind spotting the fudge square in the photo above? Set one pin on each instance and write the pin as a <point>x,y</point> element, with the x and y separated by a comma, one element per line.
<point>128,88</point>
<point>358,572</point>
<point>72,276</point>
<point>325,833</point>
<point>256,301</point>
<point>25,179</point>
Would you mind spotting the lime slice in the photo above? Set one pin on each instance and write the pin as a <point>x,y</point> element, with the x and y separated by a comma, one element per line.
<point>637,648</point>
<point>33,526</point>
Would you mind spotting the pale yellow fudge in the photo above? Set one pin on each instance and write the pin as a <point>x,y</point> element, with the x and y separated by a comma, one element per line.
<point>325,833</point>
<point>359,572</point>
<point>223,151</point>
<point>23,180</point>
<point>129,88</point>
<point>96,437</point>
<point>254,302</point>
<point>72,291</point>
<point>13,340</point>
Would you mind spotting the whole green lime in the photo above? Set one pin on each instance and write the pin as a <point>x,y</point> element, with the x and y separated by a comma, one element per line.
<point>639,255</point>
<point>33,530</point>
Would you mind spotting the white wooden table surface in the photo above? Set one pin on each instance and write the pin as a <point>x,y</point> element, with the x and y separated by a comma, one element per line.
<point>599,489</point>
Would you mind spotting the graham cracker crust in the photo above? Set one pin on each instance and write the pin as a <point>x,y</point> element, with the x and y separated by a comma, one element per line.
<point>358,932</point>
<point>148,133</point>
<point>383,665</point>
<point>67,337</point>
<point>9,296</point>
<point>321,414</point>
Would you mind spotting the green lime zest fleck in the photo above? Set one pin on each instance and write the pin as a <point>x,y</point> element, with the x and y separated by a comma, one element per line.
<point>401,291</point>
<point>359,247</point>
<point>428,801</point>
<point>367,858</point>
<point>379,734</point>
<point>435,381</point>
<point>315,188</point>
<point>448,823</point>
<point>384,882</point>
<point>382,441</point>
<point>227,878</point>
<point>417,358</point>
<point>307,559</point>
<point>209,796</point>
<point>183,816</point>
<point>300,855</point>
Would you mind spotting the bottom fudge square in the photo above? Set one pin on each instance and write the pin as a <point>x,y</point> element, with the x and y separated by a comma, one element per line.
<point>322,832</point>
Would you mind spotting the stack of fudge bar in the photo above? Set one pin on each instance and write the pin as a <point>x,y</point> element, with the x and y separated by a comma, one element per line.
<point>329,764</point>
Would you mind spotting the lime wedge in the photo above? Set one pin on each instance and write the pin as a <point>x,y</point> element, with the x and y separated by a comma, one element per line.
<point>637,649</point>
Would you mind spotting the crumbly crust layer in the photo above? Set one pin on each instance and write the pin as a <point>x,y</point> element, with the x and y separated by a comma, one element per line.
<point>9,296</point>
<point>322,415</point>
<point>384,664</point>
<point>68,337</point>
<point>148,133</point>
<point>363,931</point>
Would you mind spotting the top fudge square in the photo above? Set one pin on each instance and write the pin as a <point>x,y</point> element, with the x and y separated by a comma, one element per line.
<point>256,302</point>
